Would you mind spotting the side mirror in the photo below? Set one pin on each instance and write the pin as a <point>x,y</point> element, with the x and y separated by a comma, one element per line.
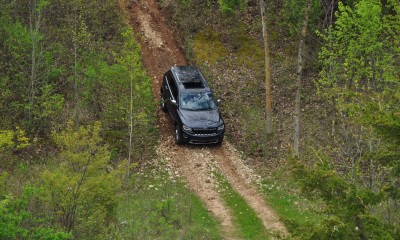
<point>173,101</point>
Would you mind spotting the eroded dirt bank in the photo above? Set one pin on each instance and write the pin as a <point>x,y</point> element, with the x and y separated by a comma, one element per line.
<point>195,164</point>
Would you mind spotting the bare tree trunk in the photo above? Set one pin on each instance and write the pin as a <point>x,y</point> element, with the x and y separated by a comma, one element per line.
<point>268,96</point>
<point>76,81</point>
<point>34,25</point>
<point>329,9</point>
<point>130,128</point>
<point>33,77</point>
<point>299,76</point>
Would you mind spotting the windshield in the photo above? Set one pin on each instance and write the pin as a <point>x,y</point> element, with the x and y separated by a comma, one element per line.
<point>197,101</point>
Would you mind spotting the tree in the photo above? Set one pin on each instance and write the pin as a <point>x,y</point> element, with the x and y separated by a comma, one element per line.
<point>359,57</point>
<point>11,141</point>
<point>347,206</point>
<point>81,46</point>
<point>81,191</point>
<point>28,74</point>
<point>360,77</point>
<point>268,95</point>
<point>300,63</point>
<point>16,222</point>
<point>130,61</point>
<point>35,23</point>
<point>139,86</point>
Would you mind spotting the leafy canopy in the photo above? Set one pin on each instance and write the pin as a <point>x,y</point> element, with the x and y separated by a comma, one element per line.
<point>81,191</point>
<point>360,70</point>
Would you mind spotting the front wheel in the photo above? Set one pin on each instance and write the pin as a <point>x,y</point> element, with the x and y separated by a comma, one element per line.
<point>178,134</point>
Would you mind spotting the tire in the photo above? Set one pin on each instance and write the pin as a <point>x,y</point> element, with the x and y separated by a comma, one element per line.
<point>178,134</point>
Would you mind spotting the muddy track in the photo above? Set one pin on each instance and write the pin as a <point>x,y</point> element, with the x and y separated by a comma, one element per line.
<point>196,164</point>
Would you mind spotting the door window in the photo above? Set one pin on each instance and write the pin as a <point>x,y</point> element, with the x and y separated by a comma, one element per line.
<point>172,85</point>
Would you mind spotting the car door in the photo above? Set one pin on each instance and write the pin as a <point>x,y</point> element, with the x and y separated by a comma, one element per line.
<point>171,95</point>
<point>166,92</point>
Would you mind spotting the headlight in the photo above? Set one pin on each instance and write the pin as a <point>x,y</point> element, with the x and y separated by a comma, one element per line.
<point>186,129</point>
<point>222,127</point>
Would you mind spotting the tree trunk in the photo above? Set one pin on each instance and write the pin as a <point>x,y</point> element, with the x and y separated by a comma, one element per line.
<point>33,76</point>
<point>34,25</point>
<point>130,126</point>
<point>299,76</point>
<point>76,80</point>
<point>268,96</point>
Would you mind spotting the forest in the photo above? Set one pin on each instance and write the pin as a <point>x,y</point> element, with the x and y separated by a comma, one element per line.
<point>310,94</point>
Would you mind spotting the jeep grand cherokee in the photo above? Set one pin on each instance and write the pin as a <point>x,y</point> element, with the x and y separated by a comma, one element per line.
<point>188,99</point>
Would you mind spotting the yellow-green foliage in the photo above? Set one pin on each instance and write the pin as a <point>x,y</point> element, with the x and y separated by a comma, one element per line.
<point>22,140</point>
<point>13,139</point>
<point>81,191</point>
<point>207,47</point>
<point>6,139</point>
<point>249,51</point>
<point>250,54</point>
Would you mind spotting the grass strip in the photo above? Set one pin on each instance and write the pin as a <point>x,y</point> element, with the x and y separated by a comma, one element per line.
<point>298,213</point>
<point>244,216</point>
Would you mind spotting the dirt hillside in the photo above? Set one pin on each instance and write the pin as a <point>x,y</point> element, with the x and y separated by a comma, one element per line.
<point>195,164</point>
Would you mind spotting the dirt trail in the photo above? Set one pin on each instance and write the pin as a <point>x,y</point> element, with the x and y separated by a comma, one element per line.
<point>160,51</point>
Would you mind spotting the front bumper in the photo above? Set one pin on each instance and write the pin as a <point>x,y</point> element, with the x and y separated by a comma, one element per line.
<point>205,138</point>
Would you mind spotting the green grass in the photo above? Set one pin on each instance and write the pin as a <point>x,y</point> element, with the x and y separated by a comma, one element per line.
<point>207,47</point>
<point>298,213</point>
<point>157,207</point>
<point>244,217</point>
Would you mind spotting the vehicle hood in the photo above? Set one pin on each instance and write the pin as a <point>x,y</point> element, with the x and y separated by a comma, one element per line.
<point>201,119</point>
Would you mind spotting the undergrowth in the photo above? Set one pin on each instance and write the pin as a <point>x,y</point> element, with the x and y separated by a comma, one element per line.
<point>160,207</point>
<point>296,211</point>
<point>207,47</point>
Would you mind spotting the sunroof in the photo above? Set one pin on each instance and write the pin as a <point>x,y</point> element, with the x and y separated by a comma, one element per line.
<point>189,74</point>
<point>193,85</point>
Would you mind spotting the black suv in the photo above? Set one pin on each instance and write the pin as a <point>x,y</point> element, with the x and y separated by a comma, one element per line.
<point>187,97</point>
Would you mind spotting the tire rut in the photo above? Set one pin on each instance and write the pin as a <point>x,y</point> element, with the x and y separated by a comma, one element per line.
<point>241,178</point>
<point>195,164</point>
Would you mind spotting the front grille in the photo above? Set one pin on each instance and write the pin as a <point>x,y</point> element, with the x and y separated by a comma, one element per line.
<point>205,131</point>
<point>212,141</point>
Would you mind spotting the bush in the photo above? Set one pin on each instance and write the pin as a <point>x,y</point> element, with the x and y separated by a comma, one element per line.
<point>347,205</point>
<point>81,191</point>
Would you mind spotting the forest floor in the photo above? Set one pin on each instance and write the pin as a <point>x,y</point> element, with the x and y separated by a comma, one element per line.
<point>197,165</point>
